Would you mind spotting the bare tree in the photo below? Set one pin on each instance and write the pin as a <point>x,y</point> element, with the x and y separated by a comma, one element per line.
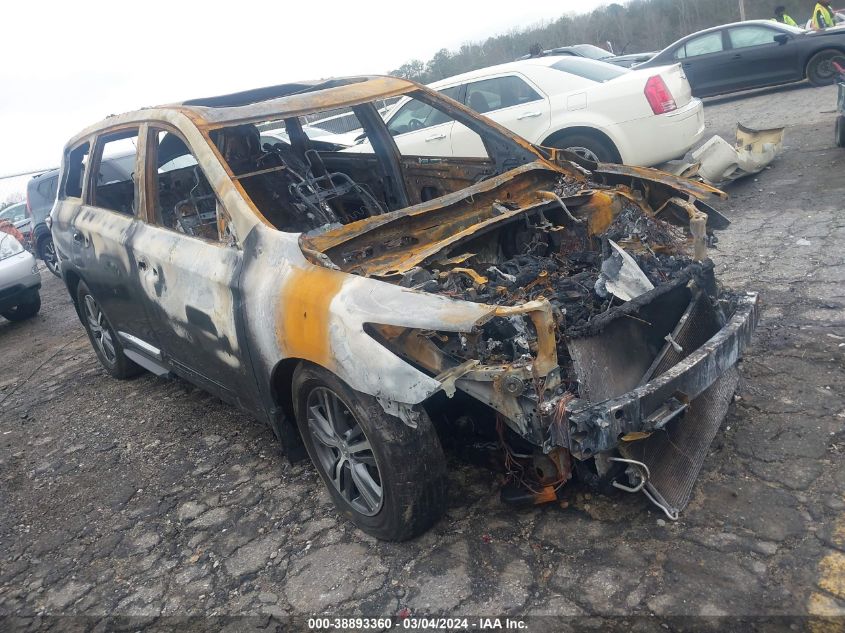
<point>635,26</point>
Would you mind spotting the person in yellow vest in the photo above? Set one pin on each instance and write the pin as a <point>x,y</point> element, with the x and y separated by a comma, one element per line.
<point>782,17</point>
<point>823,16</point>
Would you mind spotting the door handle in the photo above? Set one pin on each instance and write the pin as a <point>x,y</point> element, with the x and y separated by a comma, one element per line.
<point>435,137</point>
<point>528,115</point>
<point>737,56</point>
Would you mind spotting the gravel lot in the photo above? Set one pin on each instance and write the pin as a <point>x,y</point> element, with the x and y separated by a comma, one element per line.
<point>148,497</point>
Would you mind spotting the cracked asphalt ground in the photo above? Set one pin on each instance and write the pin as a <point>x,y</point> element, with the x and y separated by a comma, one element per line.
<point>148,497</point>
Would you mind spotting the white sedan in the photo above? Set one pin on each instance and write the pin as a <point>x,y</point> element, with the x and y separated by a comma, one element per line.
<point>19,280</point>
<point>598,110</point>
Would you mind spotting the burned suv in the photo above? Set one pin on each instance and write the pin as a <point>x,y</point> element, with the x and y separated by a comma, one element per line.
<point>369,305</point>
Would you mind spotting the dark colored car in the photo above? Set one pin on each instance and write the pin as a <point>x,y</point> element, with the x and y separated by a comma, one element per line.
<point>754,54</point>
<point>595,52</point>
<point>40,196</point>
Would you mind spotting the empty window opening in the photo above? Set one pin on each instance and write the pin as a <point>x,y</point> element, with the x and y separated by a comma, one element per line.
<point>184,199</point>
<point>77,160</point>
<point>114,184</point>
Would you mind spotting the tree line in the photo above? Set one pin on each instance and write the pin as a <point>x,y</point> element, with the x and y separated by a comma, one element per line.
<point>637,26</point>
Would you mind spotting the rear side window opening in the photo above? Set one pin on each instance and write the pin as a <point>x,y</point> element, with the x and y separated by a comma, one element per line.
<point>76,162</point>
<point>113,187</point>
<point>589,69</point>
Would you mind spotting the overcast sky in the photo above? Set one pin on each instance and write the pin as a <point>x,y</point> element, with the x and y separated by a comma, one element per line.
<point>69,64</point>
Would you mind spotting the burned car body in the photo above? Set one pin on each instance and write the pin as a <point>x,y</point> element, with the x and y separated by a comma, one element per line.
<point>567,308</point>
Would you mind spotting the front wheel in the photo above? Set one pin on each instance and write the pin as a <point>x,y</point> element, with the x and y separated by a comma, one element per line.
<point>820,68</point>
<point>25,310</point>
<point>386,477</point>
<point>47,253</point>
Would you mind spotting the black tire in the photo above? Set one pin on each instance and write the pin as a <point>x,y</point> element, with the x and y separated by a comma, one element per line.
<point>111,355</point>
<point>820,68</point>
<point>587,146</point>
<point>25,310</point>
<point>839,131</point>
<point>47,253</point>
<point>408,463</point>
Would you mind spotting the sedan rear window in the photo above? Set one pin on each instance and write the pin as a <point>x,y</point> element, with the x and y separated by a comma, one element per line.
<point>589,69</point>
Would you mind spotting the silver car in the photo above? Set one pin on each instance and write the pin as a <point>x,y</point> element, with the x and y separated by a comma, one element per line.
<point>20,280</point>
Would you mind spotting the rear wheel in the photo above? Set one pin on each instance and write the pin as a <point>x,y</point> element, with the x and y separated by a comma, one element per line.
<point>386,477</point>
<point>820,68</point>
<point>47,253</point>
<point>25,310</point>
<point>103,338</point>
<point>587,146</point>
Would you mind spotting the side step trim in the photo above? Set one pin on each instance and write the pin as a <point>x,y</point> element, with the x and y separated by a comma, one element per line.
<point>147,363</point>
<point>141,345</point>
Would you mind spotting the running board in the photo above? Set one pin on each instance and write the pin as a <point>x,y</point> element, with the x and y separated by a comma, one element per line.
<point>147,363</point>
<point>146,355</point>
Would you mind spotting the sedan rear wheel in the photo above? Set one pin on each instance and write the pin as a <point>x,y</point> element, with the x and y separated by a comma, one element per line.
<point>820,68</point>
<point>587,146</point>
<point>385,476</point>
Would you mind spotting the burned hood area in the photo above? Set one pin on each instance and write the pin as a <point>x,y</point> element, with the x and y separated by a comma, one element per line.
<point>600,288</point>
<point>602,329</point>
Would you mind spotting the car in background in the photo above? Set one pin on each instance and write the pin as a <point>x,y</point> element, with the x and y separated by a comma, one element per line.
<point>40,197</point>
<point>597,53</point>
<point>599,111</point>
<point>18,216</point>
<point>20,280</point>
<point>754,54</point>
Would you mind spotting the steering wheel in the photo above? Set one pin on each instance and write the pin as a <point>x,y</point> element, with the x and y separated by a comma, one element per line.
<point>415,124</point>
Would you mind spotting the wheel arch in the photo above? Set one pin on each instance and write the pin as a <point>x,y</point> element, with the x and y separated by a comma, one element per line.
<point>586,131</point>
<point>283,418</point>
<point>812,55</point>
<point>72,280</point>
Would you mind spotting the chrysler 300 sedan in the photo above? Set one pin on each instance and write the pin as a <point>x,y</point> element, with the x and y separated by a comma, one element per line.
<point>370,306</point>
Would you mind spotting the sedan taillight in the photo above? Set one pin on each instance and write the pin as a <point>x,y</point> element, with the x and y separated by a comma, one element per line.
<point>658,95</point>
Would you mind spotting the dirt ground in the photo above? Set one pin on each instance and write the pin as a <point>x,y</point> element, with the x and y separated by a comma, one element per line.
<point>148,497</point>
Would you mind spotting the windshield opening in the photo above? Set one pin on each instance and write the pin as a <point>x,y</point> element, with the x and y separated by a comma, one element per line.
<point>9,246</point>
<point>315,172</point>
<point>592,52</point>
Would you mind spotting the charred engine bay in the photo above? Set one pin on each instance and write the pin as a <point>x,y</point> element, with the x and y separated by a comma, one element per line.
<point>548,255</point>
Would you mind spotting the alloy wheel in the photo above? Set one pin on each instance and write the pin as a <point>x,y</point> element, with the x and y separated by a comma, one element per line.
<point>50,258</point>
<point>344,451</point>
<point>100,331</point>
